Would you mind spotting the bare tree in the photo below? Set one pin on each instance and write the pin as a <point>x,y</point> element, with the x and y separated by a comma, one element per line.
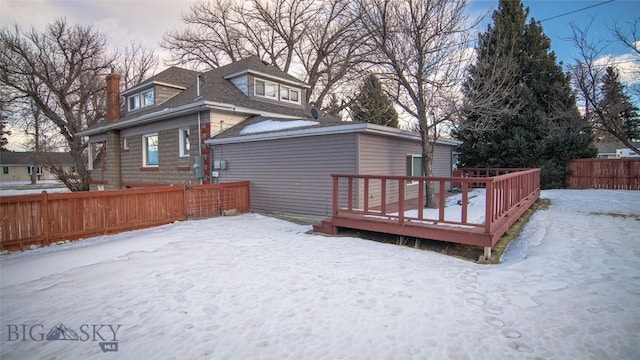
<point>312,39</point>
<point>628,34</point>
<point>588,74</point>
<point>61,72</point>
<point>135,63</point>
<point>419,48</point>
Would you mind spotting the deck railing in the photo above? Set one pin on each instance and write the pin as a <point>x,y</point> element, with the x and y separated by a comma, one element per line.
<point>400,200</point>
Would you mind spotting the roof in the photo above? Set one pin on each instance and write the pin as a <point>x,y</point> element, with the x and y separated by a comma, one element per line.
<point>217,92</point>
<point>27,157</point>
<point>298,128</point>
<point>173,76</point>
<point>611,146</point>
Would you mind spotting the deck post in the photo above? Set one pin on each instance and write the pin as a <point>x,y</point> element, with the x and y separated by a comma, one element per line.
<point>335,195</point>
<point>401,201</point>
<point>487,252</point>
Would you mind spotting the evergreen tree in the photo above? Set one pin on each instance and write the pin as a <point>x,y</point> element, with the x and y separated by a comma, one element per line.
<point>4,141</point>
<point>334,107</point>
<point>547,130</point>
<point>372,105</point>
<point>618,113</point>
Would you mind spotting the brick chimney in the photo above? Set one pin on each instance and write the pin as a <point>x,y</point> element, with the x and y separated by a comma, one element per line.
<point>113,97</point>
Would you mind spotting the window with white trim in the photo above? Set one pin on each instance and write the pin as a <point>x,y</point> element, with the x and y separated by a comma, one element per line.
<point>5,170</point>
<point>266,89</point>
<point>125,143</point>
<point>185,146</point>
<point>290,94</point>
<point>150,150</point>
<point>30,170</point>
<point>141,99</point>
<point>414,166</point>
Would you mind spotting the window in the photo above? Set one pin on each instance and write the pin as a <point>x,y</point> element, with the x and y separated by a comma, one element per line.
<point>147,97</point>
<point>414,166</point>
<point>5,170</point>
<point>96,154</point>
<point>150,150</point>
<point>125,144</point>
<point>141,99</point>
<point>185,146</point>
<point>30,170</point>
<point>266,89</point>
<point>290,95</point>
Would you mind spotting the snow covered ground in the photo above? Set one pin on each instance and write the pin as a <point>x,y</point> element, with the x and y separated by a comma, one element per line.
<point>252,287</point>
<point>24,187</point>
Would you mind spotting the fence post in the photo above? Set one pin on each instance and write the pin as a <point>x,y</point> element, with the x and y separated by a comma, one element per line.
<point>45,217</point>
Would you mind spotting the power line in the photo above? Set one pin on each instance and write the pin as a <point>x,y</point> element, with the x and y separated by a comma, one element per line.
<point>575,11</point>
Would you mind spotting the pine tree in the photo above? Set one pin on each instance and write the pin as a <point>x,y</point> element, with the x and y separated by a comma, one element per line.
<point>372,105</point>
<point>334,107</point>
<point>547,130</point>
<point>619,115</point>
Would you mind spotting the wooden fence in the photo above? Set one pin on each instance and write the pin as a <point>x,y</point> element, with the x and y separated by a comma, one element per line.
<point>622,174</point>
<point>508,196</point>
<point>45,218</point>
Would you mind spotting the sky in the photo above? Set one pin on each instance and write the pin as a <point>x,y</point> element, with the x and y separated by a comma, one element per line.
<point>146,21</point>
<point>254,287</point>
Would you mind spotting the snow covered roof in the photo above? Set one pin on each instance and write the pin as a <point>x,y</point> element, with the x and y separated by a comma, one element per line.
<point>261,128</point>
<point>275,125</point>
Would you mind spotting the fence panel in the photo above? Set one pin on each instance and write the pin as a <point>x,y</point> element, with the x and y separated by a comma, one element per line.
<point>211,200</point>
<point>621,174</point>
<point>46,218</point>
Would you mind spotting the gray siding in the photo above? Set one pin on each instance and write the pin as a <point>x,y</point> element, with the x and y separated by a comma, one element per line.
<point>164,93</point>
<point>242,83</point>
<point>290,175</point>
<point>383,155</point>
<point>442,160</point>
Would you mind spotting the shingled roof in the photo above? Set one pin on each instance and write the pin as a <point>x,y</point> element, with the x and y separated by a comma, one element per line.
<point>216,89</point>
<point>29,158</point>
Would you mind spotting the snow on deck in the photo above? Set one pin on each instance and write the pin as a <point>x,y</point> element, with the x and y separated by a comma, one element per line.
<point>250,287</point>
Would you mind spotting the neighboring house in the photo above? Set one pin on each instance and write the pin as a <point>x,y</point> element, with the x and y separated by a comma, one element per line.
<point>243,121</point>
<point>19,166</point>
<point>615,149</point>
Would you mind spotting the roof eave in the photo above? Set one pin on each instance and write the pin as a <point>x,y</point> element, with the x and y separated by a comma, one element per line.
<point>268,76</point>
<point>328,130</point>
<point>181,110</point>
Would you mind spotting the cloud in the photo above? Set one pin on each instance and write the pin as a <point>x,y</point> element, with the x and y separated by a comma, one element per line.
<point>140,21</point>
<point>628,65</point>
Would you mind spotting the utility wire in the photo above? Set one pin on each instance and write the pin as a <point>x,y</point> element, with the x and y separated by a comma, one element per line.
<point>575,11</point>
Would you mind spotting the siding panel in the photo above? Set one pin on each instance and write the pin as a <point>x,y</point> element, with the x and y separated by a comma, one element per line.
<point>290,175</point>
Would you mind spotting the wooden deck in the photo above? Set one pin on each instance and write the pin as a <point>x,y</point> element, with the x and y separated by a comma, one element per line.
<point>389,204</point>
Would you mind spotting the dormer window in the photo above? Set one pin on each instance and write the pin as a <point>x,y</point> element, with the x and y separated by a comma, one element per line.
<point>141,99</point>
<point>290,94</point>
<point>266,89</point>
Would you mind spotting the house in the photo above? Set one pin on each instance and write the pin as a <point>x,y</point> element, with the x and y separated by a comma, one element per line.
<point>20,166</point>
<point>157,136</point>
<point>615,149</point>
<point>243,121</point>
